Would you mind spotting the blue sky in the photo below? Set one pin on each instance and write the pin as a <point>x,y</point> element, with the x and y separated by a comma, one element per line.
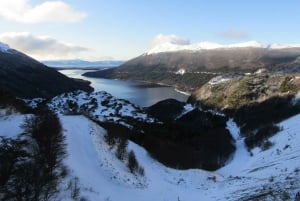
<point>123,29</point>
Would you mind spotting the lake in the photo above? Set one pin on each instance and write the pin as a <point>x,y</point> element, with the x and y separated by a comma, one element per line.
<point>140,93</point>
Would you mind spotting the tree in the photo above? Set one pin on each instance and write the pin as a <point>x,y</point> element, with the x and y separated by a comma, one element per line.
<point>121,151</point>
<point>132,162</point>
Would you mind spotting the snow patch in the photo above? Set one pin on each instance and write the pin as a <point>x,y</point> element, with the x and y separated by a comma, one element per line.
<point>180,72</point>
<point>218,80</point>
<point>296,99</point>
<point>10,125</point>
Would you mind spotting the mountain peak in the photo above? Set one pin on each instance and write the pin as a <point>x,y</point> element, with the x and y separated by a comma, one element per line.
<point>4,47</point>
<point>206,45</point>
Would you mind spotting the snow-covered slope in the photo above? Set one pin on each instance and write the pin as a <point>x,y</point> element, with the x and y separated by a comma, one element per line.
<point>263,175</point>
<point>171,47</point>
<point>10,124</point>
<point>266,175</point>
<point>100,106</point>
<point>103,177</point>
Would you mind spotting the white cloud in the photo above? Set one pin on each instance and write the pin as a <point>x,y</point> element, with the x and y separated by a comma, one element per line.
<point>49,11</point>
<point>45,47</point>
<point>173,39</point>
<point>234,34</point>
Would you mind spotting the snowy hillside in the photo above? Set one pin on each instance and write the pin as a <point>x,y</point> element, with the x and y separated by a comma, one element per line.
<point>272,174</point>
<point>268,175</point>
<point>10,124</point>
<point>170,47</point>
<point>100,106</point>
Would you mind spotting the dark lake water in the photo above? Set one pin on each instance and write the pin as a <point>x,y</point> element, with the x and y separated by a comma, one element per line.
<point>140,93</point>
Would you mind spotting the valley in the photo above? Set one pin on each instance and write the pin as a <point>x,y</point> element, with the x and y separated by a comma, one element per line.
<point>236,137</point>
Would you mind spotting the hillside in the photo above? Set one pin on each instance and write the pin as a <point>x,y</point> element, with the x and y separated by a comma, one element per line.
<point>189,69</point>
<point>27,78</point>
<point>233,91</point>
<point>97,174</point>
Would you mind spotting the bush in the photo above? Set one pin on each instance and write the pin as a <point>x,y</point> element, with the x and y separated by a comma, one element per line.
<point>32,163</point>
<point>132,162</point>
<point>266,145</point>
<point>257,115</point>
<point>121,151</point>
<point>133,165</point>
<point>261,136</point>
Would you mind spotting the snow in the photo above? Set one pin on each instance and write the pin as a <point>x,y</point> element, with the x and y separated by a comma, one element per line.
<point>186,109</point>
<point>218,80</point>
<point>296,99</point>
<point>100,106</point>
<point>241,156</point>
<point>4,47</point>
<point>171,47</point>
<point>101,175</point>
<point>180,72</point>
<point>283,46</point>
<point>10,124</point>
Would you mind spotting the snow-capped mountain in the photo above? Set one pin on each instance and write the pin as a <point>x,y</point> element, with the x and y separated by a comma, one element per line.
<point>188,67</point>
<point>171,47</point>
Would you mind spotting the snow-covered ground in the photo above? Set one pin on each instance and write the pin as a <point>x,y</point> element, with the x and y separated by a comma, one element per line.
<point>103,177</point>
<point>10,125</point>
<point>273,174</point>
<point>99,105</point>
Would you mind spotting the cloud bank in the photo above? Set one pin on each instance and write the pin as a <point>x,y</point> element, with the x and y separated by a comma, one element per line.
<point>173,39</point>
<point>44,47</point>
<point>49,11</point>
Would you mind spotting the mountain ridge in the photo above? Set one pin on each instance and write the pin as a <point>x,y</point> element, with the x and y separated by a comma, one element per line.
<point>189,70</point>
<point>173,47</point>
<point>25,77</point>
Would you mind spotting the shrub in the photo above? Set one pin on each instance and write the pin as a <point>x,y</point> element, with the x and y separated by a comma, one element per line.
<point>266,145</point>
<point>132,162</point>
<point>133,165</point>
<point>121,151</point>
<point>32,163</point>
<point>260,137</point>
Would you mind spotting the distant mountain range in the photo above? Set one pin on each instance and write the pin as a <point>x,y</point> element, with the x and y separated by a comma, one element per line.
<point>77,63</point>
<point>188,67</point>
<point>25,77</point>
<point>171,47</point>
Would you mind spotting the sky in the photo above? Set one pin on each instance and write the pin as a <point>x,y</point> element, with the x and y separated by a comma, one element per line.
<point>124,29</point>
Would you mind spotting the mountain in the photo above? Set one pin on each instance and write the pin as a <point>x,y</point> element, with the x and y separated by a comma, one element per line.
<point>27,78</point>
<point>170,47</point>
<point>189,67</point>
<point>77,63</point>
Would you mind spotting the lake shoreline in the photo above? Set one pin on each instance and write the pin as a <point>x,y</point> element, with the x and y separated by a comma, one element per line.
<point>141,93</point>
